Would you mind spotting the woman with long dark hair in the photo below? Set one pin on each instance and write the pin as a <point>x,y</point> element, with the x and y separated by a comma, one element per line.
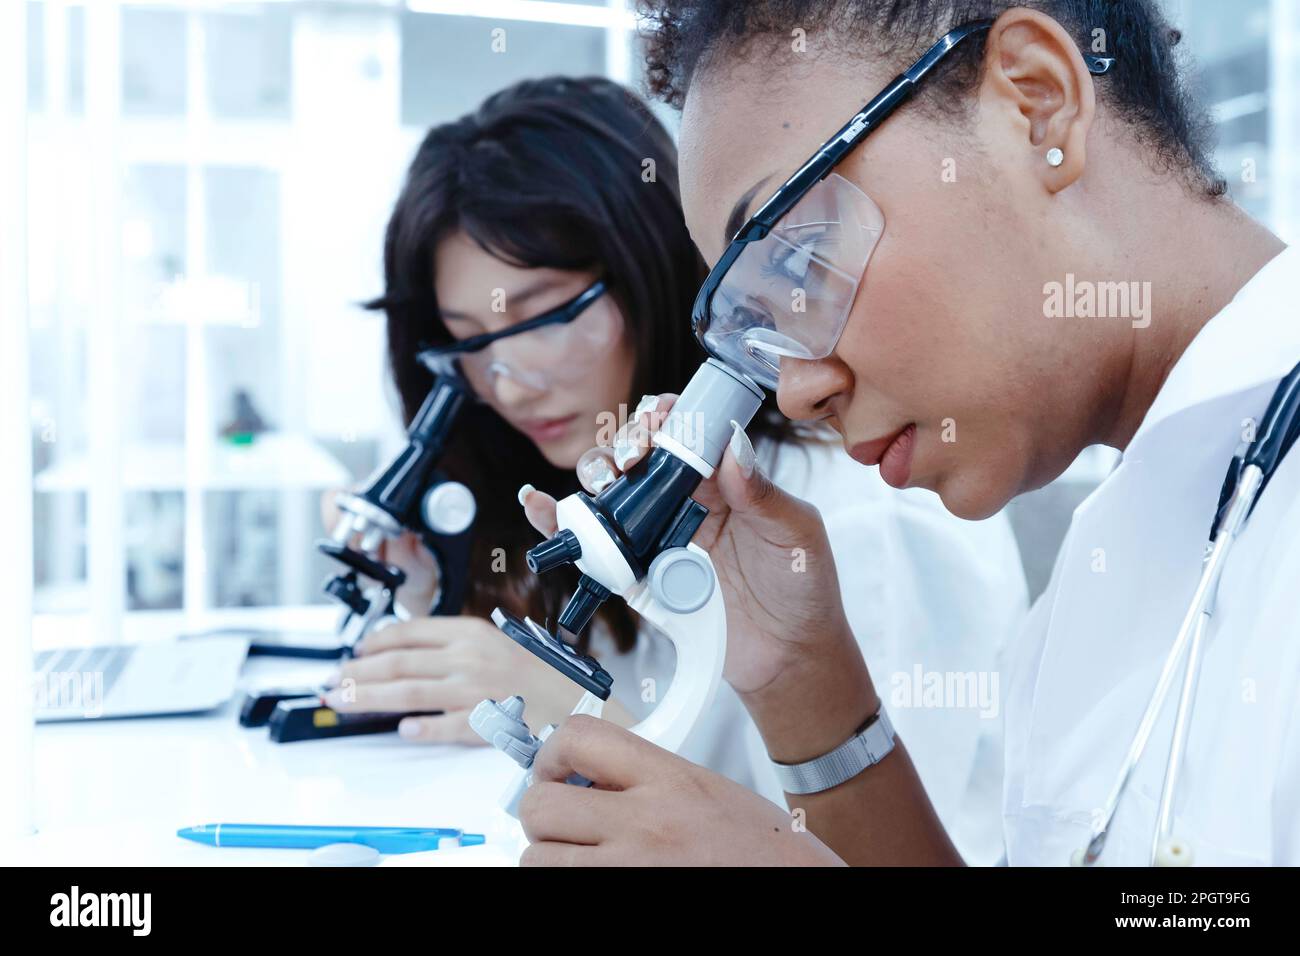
<point>559,198</point>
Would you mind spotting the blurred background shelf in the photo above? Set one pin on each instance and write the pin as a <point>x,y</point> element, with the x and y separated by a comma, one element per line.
<point>274,461</point>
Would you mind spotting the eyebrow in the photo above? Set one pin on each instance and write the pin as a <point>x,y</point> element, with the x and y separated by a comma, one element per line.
<point>737,217</point>
<point>513,298</point>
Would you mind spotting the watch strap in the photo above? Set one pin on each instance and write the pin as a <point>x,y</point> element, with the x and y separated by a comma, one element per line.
<point>867,747</point>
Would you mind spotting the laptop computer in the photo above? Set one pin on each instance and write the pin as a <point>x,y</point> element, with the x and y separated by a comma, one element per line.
<point>137,680</point>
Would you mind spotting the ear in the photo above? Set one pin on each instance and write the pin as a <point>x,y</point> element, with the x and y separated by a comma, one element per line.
<point>1035,78</point>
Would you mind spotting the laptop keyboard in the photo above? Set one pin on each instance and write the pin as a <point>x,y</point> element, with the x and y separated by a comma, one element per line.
<point>109,660</point>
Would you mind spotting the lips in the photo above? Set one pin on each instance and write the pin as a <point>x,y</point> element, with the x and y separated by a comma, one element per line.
<point>893,453</point>
<point>547,429</point>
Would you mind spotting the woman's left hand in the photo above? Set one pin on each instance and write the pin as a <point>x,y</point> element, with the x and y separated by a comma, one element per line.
<point>447,664</point>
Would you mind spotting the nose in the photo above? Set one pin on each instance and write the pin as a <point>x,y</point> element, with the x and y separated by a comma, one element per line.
<point>808,388</point>
<point>511,391</point>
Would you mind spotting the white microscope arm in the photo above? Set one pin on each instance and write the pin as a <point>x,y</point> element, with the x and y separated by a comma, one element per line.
<point>700,640</point>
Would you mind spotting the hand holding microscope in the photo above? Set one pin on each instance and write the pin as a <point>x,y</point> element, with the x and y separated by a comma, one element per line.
<point>633,540</point>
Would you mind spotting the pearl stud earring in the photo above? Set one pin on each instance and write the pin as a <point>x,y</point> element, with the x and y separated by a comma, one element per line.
<point>1055,157</point>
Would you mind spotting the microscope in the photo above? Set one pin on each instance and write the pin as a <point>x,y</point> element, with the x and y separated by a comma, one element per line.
<point>407,494</point>
<point>633,540</point>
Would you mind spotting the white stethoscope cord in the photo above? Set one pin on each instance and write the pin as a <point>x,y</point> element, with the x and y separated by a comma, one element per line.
<point>1165,850</point>
<point>1247,476</point>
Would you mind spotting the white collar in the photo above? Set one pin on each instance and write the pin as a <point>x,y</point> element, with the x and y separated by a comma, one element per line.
<point>1252,340</point>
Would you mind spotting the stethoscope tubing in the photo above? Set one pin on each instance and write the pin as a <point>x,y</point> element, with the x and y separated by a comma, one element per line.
<point>1247,477</point>
<point>1248,487</point>
<point>1209,570</point>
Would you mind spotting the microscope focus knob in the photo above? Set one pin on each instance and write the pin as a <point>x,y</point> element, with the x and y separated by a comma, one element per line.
<point>345,589</point>
<point>448,508</point>
<point>681,580</point>
<point>562,548</point>
<point>502,725</point>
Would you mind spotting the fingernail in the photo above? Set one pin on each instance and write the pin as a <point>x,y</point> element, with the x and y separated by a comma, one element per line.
<point>524,492</point>
<point>409,728</point>
<point>742,449</point>
<point>648,403</point>
<point>598,473</point>
<point>333,698</point>
<point>625,449</point>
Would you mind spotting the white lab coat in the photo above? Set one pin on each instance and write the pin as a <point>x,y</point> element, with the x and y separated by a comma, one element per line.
<point>926,594</point>
<point>1083,669</point>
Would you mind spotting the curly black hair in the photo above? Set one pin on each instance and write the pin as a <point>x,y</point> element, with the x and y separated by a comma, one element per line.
<point>1145,87</point>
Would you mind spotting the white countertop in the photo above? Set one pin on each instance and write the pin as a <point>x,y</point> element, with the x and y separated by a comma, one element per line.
<point>114,792</point>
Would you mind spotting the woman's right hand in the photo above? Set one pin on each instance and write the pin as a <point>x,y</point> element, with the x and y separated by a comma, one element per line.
<point>405,552</point>
<point>770,551</point>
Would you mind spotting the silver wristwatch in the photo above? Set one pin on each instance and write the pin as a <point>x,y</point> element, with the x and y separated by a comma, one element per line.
<point>868,746</point>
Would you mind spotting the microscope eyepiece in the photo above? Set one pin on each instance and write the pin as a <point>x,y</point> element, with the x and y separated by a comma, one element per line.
<point>562,548</point>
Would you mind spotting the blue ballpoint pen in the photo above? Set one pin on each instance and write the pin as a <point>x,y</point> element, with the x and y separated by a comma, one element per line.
<point>383,839</point>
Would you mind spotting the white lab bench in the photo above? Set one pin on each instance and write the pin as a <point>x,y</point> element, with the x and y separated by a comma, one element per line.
<point>114,792</point>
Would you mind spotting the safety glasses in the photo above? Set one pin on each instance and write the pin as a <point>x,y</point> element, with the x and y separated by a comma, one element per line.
<point>557,346</point>
<point>786,282</point>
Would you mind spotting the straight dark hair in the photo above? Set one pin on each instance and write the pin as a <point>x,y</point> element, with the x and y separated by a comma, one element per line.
<point>566,173</point>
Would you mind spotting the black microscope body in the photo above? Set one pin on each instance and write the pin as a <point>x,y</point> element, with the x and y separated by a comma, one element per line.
<point>403,496</point>
<point>643,516</point>
<point>645,512</point>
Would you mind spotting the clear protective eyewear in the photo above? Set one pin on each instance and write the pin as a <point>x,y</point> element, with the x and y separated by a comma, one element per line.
<point>557,347</point>
<point>789,293</point>
<point>785,284</point>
